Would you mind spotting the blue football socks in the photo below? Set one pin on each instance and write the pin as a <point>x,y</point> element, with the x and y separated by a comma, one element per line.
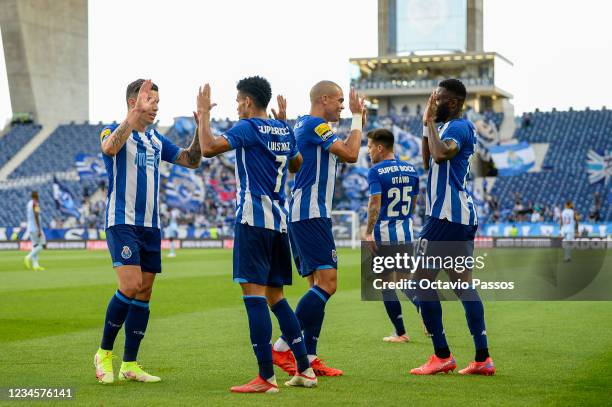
<point>135,328</point>
<point>394,311</point>
<point>116,312</point>
<point>310,311</point>
<point>260,327</point>
<point>292,334</point>
<point>431,312</point>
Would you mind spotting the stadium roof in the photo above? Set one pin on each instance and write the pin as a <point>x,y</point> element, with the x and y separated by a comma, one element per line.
<point>429,58</point>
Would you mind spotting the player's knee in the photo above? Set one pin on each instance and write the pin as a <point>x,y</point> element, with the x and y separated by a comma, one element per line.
<point>145,293</point>
<point>274,299</point>
<point>274,295</point>
<point>329,285</point>
<point>132,288</point>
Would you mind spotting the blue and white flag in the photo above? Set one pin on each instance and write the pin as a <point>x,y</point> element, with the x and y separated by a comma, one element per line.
<point>90,166</point>
<point>599,166</point>
<point>355,183</point>
<point>513,159</point>
<point>184,189</point>
<point>66,202</point>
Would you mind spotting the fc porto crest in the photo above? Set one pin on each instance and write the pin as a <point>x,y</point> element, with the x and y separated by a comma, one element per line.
<point>334,256</point>
<point>126,253</point>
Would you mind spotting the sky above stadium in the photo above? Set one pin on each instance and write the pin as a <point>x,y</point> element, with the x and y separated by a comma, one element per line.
<point>561,50</point>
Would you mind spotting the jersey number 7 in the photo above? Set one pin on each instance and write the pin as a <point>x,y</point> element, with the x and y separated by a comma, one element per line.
<point>281,170</point>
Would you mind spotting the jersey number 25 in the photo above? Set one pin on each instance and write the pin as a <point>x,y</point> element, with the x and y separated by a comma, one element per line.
<point>395,194</point>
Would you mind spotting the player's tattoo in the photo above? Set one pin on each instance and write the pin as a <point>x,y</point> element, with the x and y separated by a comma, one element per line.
<point>119,136</point>
<point>373,213</point>
<point>194,154</point>
<point>191,156</point>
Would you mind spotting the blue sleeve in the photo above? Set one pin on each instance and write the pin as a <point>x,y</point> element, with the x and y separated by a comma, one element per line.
<point>170,151</point>
<point>455,132</point>
<point>107,130</point>
<point>374,182</point>
<point>415,189</point>
<point>294,150</point>
<point>319,133</point>
<point>239,134</point>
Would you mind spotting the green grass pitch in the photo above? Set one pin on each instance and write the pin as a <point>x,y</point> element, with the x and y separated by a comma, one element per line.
<point>546,353</point>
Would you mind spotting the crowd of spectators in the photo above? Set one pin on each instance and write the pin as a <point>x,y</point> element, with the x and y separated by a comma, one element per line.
<point>351,193</point>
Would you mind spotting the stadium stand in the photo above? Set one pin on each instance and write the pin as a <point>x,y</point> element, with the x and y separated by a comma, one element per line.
<point>15,139</point>
<point>571,135</point>
<point>57,152</point>
<point>15,214</point>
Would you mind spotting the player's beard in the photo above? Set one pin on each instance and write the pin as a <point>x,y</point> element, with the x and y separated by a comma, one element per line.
<point>442,114</point>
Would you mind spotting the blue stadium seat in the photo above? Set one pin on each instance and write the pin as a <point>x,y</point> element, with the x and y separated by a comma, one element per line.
<point>15,213</point>
<point>570,136</point>
<point>15,139</point>
<point>57,152</point>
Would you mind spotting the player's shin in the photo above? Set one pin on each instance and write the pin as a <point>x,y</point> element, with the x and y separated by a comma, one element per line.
<point>411,294</point>
<point>431,312</point>
<point>260,327</point>
<point>310,313</point>
<point>474,314</point>
<point>135,328</point>
<point>292,334</point>
<point>116,312</point>
<point>394,311</point>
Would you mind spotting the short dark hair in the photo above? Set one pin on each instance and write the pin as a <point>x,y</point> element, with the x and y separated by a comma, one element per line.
<point>257,88</point>
<point>134,87</point>
<point>383,137</point>
<point>455,86</point>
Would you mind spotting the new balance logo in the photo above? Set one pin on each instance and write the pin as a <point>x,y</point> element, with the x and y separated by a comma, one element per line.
<point>144,160</point>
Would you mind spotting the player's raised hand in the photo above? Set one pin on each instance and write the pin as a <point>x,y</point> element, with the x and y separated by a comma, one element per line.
<point>144,101</point>
<point>282,109</point>
<point>431,109</point>
<point>356,103</point>
<point>203,101</point>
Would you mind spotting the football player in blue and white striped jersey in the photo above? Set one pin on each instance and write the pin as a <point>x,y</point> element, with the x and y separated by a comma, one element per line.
<point>132,155</point>
<point>310,227</point>
<point>394,187</point>
<point>265,150</point>
<point>452,219</point>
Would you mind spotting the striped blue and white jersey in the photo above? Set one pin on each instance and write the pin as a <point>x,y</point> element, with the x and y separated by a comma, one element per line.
<point>263,149</point>
<point>447,194</point>
<point>133,178</point>
<point>313,191</point>
<point>397,182</point>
